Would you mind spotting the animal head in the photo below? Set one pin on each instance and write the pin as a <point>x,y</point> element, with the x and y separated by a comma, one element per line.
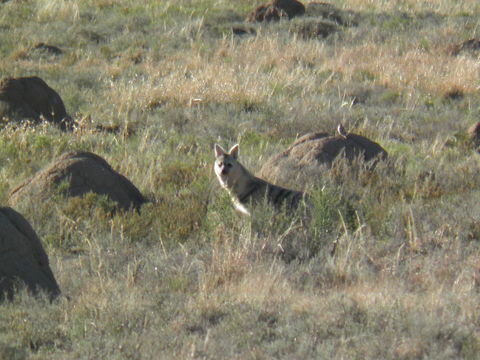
<point>227,167</point>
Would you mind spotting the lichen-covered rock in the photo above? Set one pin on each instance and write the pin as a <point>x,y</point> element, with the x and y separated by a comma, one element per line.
<point>80,173</point>
<point>22,257</point>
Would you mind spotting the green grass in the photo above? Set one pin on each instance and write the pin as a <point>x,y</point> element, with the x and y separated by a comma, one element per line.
<point>385,268</point>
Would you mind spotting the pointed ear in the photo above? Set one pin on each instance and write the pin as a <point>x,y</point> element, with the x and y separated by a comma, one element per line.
<point>234,151</point>
<point>218,150</point>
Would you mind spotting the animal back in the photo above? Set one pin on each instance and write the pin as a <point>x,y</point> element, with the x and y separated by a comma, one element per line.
<point>278,196</point>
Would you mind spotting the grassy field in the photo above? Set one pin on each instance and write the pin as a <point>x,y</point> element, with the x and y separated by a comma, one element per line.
<point>188,277</point>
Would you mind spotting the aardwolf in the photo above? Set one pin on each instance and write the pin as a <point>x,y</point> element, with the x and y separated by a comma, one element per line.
<point>246,189</point>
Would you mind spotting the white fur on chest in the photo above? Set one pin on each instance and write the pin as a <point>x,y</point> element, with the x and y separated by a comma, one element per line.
<point>238,205</point>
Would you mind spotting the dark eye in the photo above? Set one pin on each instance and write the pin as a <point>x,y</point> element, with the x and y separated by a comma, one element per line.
<point>229,165</point>
<point>219,163</point>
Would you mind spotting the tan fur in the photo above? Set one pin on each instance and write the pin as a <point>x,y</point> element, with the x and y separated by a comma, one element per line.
<point>246,189</point>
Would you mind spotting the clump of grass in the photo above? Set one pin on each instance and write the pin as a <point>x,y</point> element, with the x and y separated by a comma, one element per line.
<point>330,214</point>
<point>55,9</point>
<point>183,206</point>
<point>182,216</point>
